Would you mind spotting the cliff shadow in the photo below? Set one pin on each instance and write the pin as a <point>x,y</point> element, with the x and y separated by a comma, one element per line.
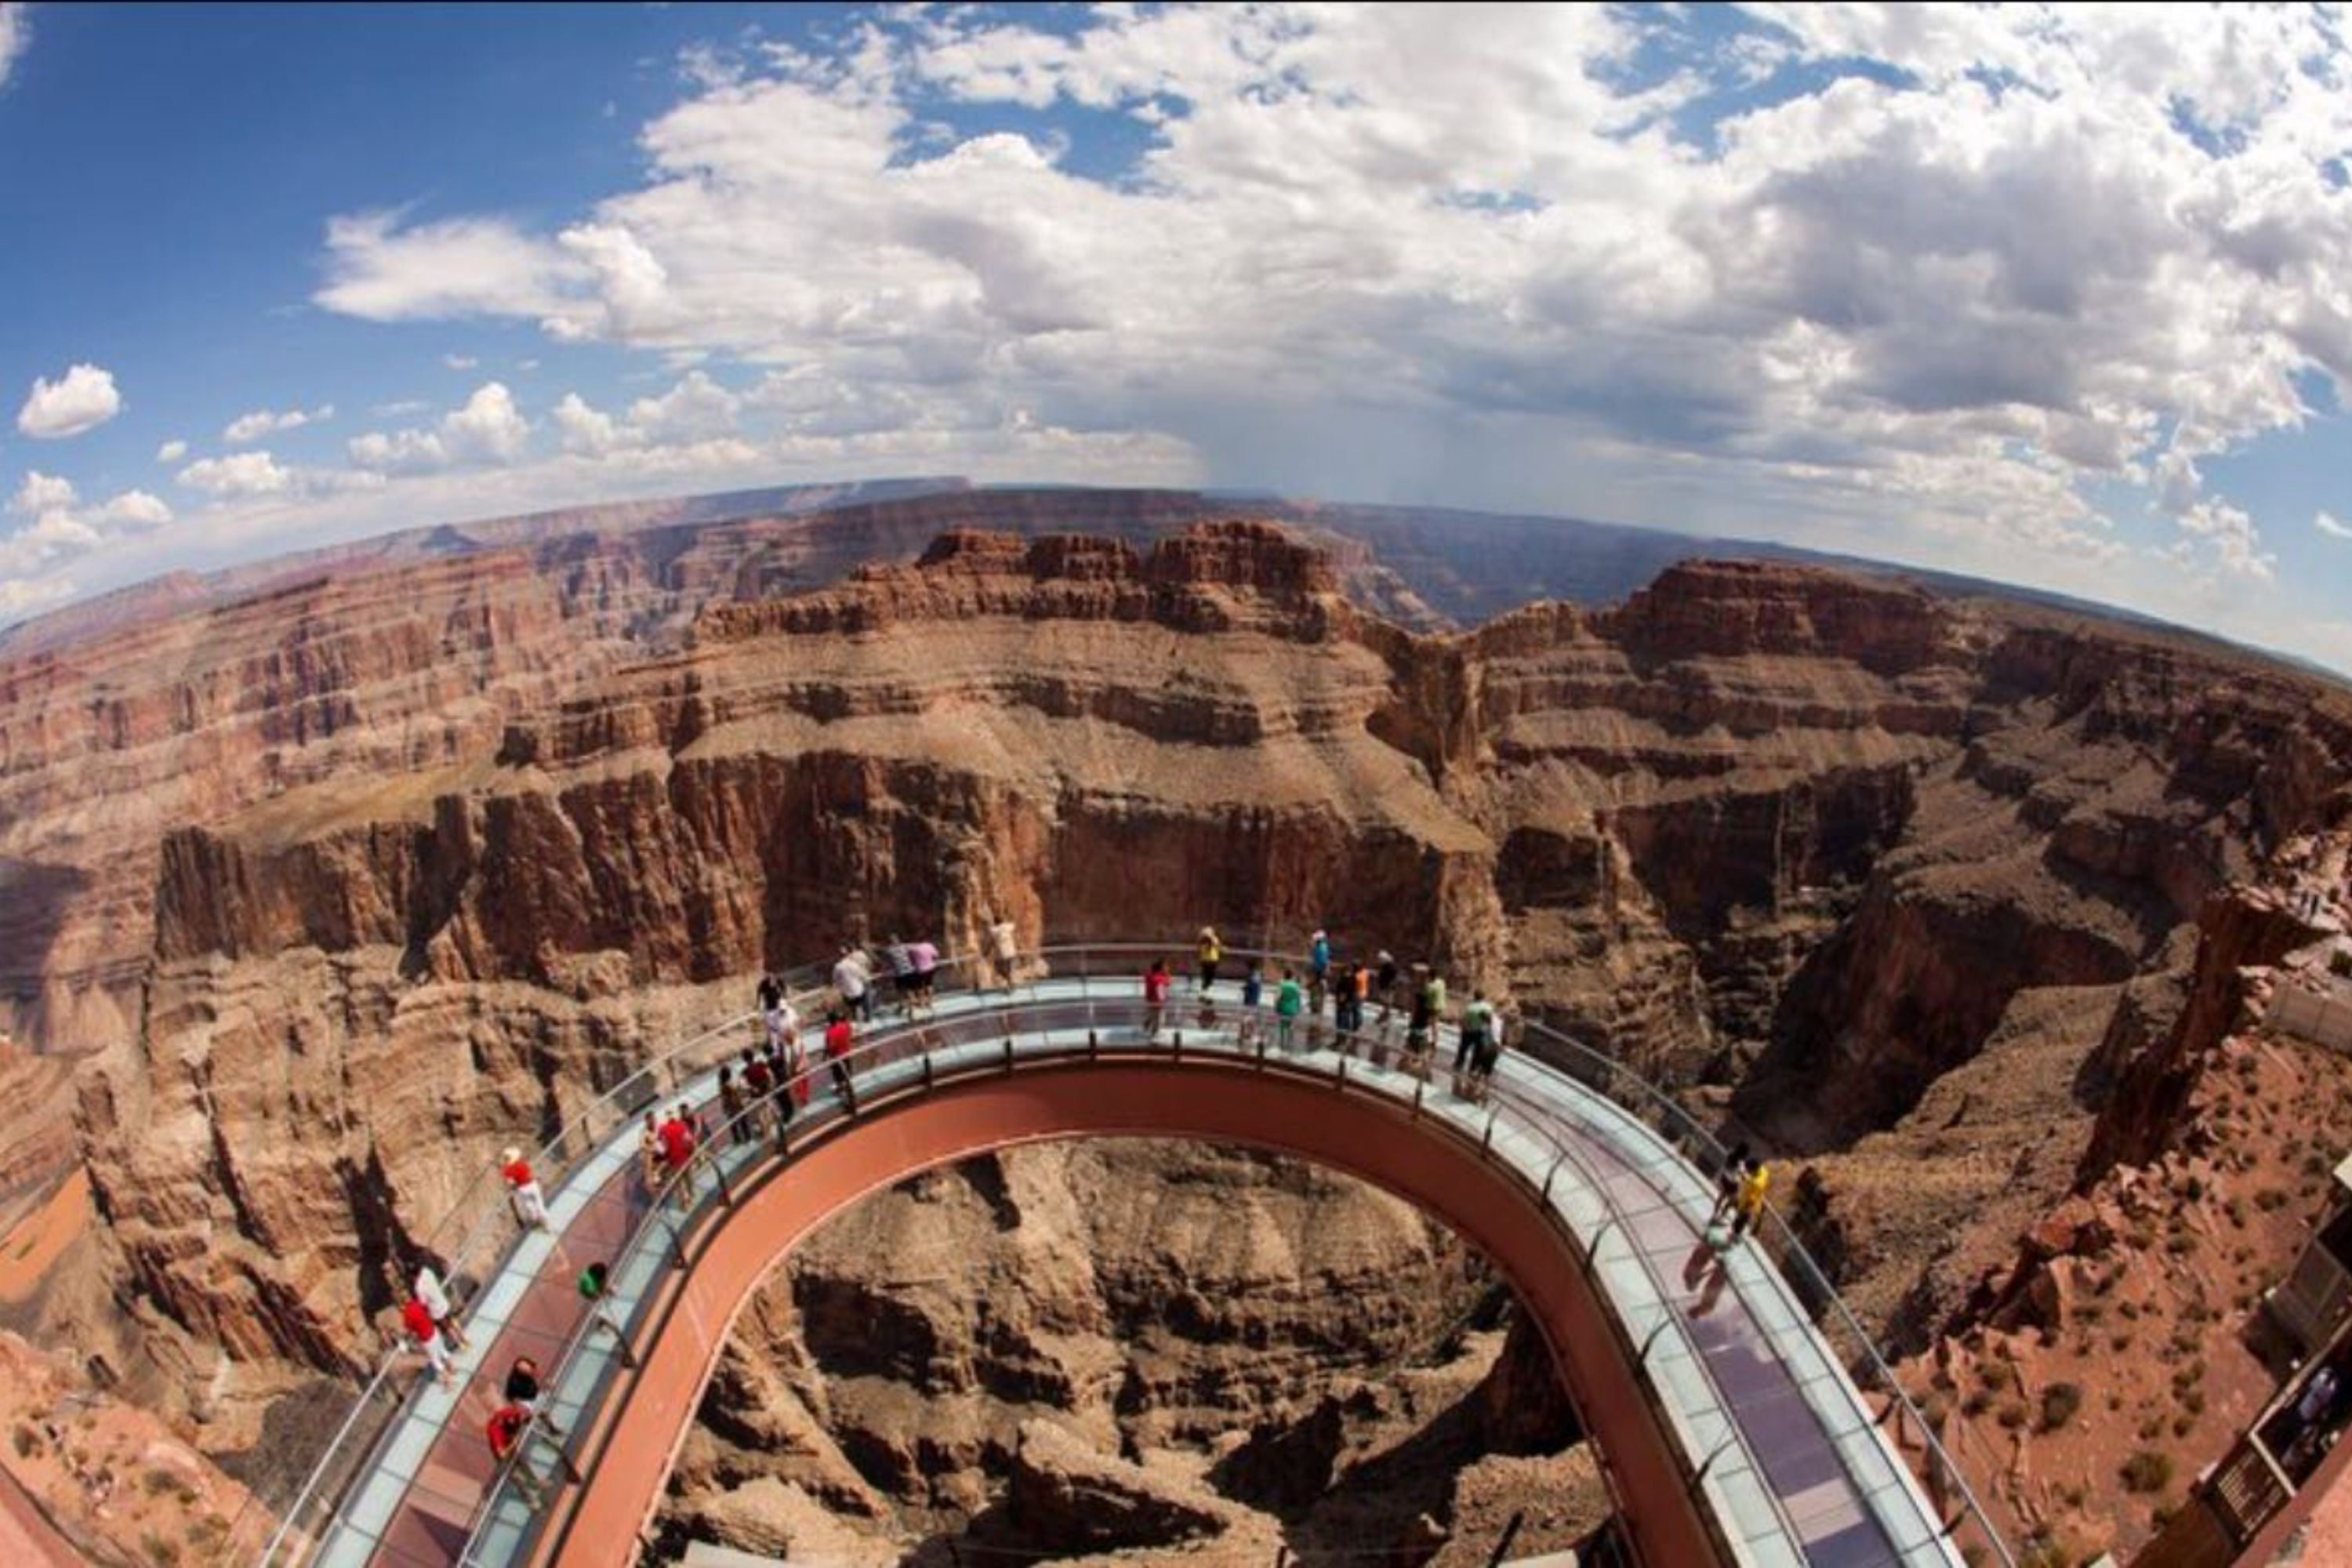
<point>35,896</point>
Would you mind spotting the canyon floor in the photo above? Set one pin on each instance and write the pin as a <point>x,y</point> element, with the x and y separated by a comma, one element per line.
<point>323,882</point>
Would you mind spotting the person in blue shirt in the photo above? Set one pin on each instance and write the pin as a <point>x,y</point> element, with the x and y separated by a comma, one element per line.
<point>1318,956</point>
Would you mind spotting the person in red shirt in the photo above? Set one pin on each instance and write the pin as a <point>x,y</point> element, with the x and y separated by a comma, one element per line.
<point>505,1431</point>
<point>677,1144</point>
<point>417,1317</point>
<point>1155,997</point>
<point>529,1201</point>
<point>838,1039</point>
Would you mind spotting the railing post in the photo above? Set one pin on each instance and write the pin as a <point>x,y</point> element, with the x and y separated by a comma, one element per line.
<point>1558,1162</point>
<point>1486,1143</point>
<point>725,1194</point>
<point>1178,1037</point>
<point>1418,1085</point>
<point>1503,1543</point>
<point>926,1072</point>
<point>1094,1043</point>
<point>1008,1053</point>
<point>1642,1360</point>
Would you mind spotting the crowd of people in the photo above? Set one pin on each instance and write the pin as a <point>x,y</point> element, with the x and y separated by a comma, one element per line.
<point>1393,1013</point>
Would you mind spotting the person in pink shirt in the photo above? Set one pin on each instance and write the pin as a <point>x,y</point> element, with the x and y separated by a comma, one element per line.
<point>1155,997</point>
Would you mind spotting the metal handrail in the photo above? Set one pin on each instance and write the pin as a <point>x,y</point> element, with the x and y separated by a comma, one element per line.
<point>482,1190</point>
<point>1609,1075</point>
<point>872,1052</point>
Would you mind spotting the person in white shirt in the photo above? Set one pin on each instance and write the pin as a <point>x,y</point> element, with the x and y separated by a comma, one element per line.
<point>436,1297</point>
<point>1004,945</point>
<point>851,980</point>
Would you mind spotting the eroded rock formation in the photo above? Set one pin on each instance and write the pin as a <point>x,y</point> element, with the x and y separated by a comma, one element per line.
<point>351,878</point>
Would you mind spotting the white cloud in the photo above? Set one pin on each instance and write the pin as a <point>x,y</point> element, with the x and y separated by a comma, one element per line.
<point>62,527</point>
<point>487,428</point>
<point>1946,309</point>
<point>583,428</point>
<point>246,428</point>
<point>170,451</point>
<point>383,271</point>
<point>2328,524</point>
<point>83,399</point>
<point>15,37</point>
<point>131,508</point>
<point>42,492</point>
<point>240,474</point>
<point>460,362</point>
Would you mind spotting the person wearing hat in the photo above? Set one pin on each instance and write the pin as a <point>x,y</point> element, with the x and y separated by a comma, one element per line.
<point>1212,953</point>
<point>529,1201</point>
<point>1318,956</point>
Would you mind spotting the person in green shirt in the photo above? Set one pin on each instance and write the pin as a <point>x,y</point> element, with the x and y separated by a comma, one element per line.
<point>1477,1026</point>
<point>1288,1003</point>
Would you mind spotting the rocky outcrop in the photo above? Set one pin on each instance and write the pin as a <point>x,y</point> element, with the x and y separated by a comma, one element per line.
<point>351,877</point>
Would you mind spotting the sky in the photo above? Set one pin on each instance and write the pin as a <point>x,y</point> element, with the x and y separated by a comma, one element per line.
<point>2056,295</point>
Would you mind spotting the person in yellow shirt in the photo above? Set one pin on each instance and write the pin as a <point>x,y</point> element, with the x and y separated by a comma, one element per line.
<point>1749,1206</point>
<point>1211,953</point>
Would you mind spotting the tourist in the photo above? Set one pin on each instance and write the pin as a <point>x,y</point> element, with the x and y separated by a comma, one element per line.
<point>793,1071</point>
<point>1318,956</point>
<point>1477,1019</point>
<point>1211,953</point>
<point>1347,1007</point>
<point>781,1020</point>
<point>522,1388</point>
<point>506,1429</point>
<point>592,1284</point>
<point>1386,977</point>
<point>678,1142</point>
<point>1434,988</point>
<point>838,1041</point>
<point>430,1291</point>
<point>925,956</point>
<point>1318,987</point>
<point>731,1105</point>
<point>760,1089</point>
<point>1004,945</point>
<point>1726,1182</point>
<point>417,1319</point>
<point>854,983</point>
<point>1750,1203</point>
<point>1484,1059</point>
<point>901,960</point>
<point>1155,997</point>
<point>649,1154</point>
<point>1252,1000</point>
<point>1287,1003</point>
<point>1420,1025</point>
<point>772,991</point>
<point>529,1201</point>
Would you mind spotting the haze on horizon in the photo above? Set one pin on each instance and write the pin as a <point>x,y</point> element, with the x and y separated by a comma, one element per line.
<point>2059,296</point>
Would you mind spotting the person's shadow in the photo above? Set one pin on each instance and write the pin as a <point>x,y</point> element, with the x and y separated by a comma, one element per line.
<point>1705,1272</point>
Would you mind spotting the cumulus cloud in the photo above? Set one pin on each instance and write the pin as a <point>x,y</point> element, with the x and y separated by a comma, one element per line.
<point>2060,249</point>
<point>170,451</point>
<point>83,399</point>
<point>487,428</point>
<point>247,429</point>
<point>2328,524</point>
<point>61,527</point>
<point>239,474</point>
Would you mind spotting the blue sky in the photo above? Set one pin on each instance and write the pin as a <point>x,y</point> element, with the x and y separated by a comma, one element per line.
<point>2057,297</point>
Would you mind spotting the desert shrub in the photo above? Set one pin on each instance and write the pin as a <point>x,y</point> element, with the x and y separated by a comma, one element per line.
<point>2059,1401</point>
<point>2147,1471</point>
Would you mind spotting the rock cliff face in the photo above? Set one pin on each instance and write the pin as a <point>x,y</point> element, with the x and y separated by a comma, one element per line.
<point>350,879</point>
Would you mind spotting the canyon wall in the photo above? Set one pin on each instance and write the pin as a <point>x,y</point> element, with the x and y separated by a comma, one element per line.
<point>348,882</point>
